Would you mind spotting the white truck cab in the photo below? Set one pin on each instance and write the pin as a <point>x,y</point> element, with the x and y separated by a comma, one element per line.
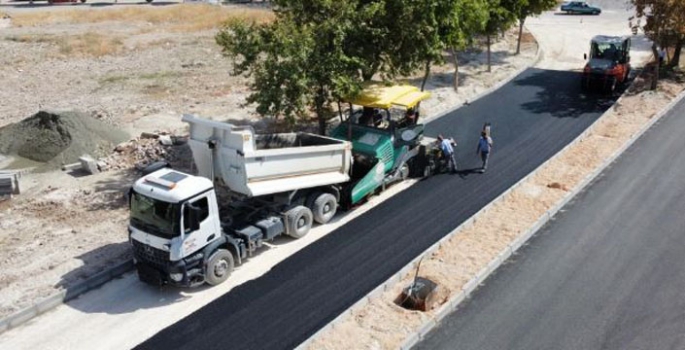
<point>173,216</point>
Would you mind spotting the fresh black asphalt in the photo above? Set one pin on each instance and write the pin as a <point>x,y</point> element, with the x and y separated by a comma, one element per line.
<point>532,118</point>
<point>605,274</point>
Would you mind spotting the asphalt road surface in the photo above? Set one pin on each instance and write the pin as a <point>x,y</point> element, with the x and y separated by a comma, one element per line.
<point>532,118</point>
<point>605,274</point>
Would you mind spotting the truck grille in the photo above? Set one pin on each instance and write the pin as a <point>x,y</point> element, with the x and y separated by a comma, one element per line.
<point>150,255</point>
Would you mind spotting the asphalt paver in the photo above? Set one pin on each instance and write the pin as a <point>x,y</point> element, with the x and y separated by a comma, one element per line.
<point>606,273</point>
<point>532,117</point>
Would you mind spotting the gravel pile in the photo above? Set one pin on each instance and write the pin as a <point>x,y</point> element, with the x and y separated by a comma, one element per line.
<point>57,138</point>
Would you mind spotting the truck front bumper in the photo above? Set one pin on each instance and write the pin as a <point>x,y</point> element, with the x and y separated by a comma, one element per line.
<point>183,273</point>
<point>598,81</point>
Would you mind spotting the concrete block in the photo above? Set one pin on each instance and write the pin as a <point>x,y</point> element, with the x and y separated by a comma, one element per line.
<point>76,290</point>
<point>408,269</point>
<point>98,280</point>
<point>17,186</point>
<point>22,316</point>
<point>457,299</point>
<point>517,243</point>
<point>51,302</point>
<point>121,268</point>
<point>505,254</point>
<point>494,265</point>
<point>4,325</point>
<point>427,327</point>
<point>72,166</point>
<point>470,286</point>
<point>444,311</point>
<point>89,164</point>
<point>165,140</point>
<point>376,292</point>
<point>482,274</point>
<point>391,281</point>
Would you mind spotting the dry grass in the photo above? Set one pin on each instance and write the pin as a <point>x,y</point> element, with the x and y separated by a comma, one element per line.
<point>182,18</point>
<point>89,44</point>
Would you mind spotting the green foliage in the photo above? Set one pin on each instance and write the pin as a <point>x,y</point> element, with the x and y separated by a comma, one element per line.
<point>501,16</point>
<point>317,51</point>
<point>526,8</point>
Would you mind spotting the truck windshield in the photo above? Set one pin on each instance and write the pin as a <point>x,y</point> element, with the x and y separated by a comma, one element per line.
<point>608,51</point>
<point>154,216</point>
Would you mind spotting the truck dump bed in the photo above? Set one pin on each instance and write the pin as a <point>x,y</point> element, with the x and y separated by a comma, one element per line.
<point>257,165</point>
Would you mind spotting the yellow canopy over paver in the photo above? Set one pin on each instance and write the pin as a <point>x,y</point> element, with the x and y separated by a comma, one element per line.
<point>378,95</point>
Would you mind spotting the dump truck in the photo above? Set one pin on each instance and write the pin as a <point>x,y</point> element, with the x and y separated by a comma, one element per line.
<point>250,188</point>
<point>608,65</point>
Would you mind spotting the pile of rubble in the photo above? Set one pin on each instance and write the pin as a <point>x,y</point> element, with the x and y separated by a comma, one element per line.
<point>149,148</point>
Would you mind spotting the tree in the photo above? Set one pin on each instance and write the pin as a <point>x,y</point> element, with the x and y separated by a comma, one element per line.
<point>500,18</point>
<point>526,8</point>
<point>663,25</point>
<point>467,18</point>
<point>678,19</point>
<point>296,68</point>
<point>318,51</point>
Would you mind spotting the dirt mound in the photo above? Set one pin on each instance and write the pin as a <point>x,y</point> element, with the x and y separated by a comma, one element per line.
<point>57,138</point>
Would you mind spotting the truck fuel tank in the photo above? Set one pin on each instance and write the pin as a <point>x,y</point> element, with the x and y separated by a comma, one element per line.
<point>271,227</point>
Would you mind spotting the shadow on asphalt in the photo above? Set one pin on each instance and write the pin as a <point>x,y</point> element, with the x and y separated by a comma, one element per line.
<point>567,102</point>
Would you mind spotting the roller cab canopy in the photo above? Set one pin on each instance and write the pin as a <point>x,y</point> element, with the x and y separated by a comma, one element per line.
<point>378,95</point>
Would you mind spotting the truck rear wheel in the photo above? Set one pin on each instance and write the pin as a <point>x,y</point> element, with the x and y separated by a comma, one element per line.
<point>298,221</point>
<point>219,267</point>
<point>324,207</point>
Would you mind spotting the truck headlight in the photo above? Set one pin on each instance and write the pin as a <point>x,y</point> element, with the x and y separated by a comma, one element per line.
<point>176,277</point>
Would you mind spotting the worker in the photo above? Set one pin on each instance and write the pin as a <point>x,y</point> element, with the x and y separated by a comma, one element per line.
<point>447,147</point>
<point>484,148</point>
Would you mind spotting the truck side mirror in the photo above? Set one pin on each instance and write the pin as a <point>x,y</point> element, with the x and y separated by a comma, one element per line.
<point>585,56</point>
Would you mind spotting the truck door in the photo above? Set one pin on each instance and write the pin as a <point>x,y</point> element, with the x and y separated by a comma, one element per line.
<point>207,231</point>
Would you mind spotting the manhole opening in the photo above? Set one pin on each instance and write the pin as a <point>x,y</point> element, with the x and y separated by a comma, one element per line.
<point>418,296</point>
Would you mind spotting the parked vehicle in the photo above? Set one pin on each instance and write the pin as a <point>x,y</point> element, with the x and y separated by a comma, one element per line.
<point>188,230</point>
<point>608,65</point>
<point>580,7</point>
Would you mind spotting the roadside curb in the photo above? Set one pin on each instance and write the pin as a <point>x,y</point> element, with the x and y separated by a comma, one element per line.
<point>22,316</point>
<point>409,268</point>
<point>472,284</point>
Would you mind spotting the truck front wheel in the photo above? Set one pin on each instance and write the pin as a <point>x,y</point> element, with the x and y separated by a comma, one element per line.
<point>219,267</point>
<point>298,221</point>
<point>324,208</point>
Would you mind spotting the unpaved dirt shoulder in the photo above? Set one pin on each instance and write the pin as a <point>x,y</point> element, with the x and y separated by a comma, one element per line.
<point>381,324</point>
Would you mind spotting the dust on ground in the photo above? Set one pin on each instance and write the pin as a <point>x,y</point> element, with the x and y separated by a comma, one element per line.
<point>136,73</point>
<point>383,325</point>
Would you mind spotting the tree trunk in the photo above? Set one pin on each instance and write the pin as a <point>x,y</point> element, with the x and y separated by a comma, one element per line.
<point>456,69</point>
<point>518,44</point>
<point>655,77</point>
<point>675,60</point>
<point>427,73</point>
<point>320,113</point>
<point>489,61</point>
